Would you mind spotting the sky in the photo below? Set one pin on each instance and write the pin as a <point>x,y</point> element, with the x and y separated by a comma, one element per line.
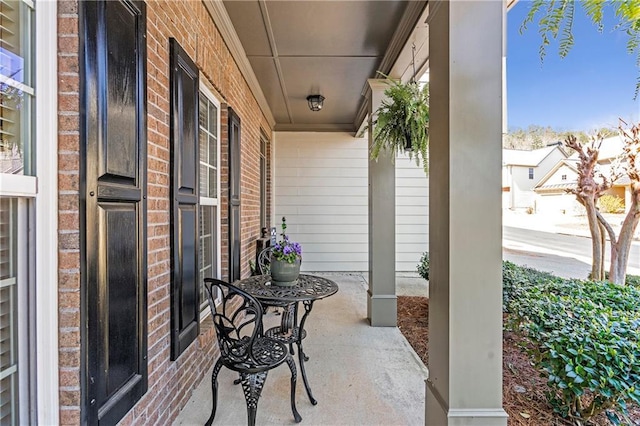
<point>590,88</point>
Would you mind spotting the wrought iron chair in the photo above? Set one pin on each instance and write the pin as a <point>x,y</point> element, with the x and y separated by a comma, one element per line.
<point>264,261</point>
<point>243,347</point>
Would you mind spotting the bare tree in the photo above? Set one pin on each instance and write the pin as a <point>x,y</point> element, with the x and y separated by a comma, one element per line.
<point>592,184</point>
<point>631,167</point>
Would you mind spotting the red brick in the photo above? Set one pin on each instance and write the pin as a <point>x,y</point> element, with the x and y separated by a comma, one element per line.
<point>68,202</point>
<point>69,358</point>
<point>69,102</point>
<point>69,398</point>
<point>68,280</point>
<point>70,416</point>
<point>68,64</point>
<point>67,7</point>
<point>69,339</point>
<point>69,299</point>
<point>67,25</point>
<point>69,143</point>
<point>68,122</point>
<point>68,319</point>
<point>69,83</point>
<point>68,259</point>
<point>68,44</point>
<point>69,378</point>
<point>171,382</point>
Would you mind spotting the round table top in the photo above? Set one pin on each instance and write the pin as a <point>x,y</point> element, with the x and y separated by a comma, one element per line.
<point>309,287</point>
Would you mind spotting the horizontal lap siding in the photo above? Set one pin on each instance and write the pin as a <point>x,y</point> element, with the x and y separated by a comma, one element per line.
<point>412,214</point>
<point>321,187</point>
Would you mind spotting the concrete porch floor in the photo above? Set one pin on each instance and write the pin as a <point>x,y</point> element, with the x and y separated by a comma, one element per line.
<point>359,374</point>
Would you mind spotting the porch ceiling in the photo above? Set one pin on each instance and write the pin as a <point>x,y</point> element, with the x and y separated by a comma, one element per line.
<point>298,48</point>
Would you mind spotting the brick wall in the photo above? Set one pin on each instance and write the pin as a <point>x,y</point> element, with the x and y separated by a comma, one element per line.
<point>68,215</point>
<point>170,383</point>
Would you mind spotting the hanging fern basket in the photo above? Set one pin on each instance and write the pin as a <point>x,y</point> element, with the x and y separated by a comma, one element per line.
<point>401,123</point>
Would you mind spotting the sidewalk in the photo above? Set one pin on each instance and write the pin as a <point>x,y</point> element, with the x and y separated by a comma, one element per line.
<point>560,224</point>
<point>556,262</point>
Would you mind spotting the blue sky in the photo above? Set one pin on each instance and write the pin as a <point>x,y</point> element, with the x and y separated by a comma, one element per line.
<point>590,88</point>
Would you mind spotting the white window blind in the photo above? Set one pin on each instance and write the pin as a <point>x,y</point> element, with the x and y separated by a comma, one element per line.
<point>16,89</point>
<point>8,314</point>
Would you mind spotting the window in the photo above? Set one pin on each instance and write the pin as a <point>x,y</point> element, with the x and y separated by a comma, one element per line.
<point>263,181</point>
<point>16,87</point>
<point>209,118</point>
<point>564,177</point>
<point>17,194</point>
<point>530,172</point>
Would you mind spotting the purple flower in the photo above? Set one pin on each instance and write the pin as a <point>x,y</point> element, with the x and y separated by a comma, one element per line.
<point>285,249</point>
<point>297,248</point>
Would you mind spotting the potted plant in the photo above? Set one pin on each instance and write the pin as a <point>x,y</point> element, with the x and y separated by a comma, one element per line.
<point>286,257</point>
<point>401,123</point>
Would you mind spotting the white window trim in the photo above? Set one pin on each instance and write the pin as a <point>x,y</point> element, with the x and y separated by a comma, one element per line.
<point>209,201</point>
<point>18,185</point>
<point>46,83</point>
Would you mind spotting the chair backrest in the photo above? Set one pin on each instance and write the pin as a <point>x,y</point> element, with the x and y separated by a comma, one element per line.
<point>237,319</point>
<point>264,261</point>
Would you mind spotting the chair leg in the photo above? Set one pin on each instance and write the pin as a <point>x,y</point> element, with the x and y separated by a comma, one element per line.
<point>294,376</point>
<point>252,385</point>
<point>214,391</point>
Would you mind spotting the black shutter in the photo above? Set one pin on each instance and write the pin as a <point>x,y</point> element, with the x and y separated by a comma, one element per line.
<point>234,197</point>
<point>113,208</point>
<point>185,306</point>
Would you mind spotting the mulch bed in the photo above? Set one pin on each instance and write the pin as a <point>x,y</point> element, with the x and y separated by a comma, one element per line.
<point>522,386</point>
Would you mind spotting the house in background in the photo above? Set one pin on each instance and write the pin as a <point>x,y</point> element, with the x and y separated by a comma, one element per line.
<point>521,171</point>
<point>552,196</point>
<point>551,190</point>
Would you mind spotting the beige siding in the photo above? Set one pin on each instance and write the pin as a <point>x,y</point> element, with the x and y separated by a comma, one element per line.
<point>320,185</point>
<point>412,214</point>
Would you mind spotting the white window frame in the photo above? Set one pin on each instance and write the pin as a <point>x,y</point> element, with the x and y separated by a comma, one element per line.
<point>38,230</point>
<point>206,201</point>
<point>46,238</point>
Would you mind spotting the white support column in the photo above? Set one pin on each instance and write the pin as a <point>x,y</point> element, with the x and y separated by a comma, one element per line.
<point>382,304</point>
<point>465,230</point>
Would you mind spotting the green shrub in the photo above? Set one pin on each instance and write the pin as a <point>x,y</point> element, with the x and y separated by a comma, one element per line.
<point>633,280</point>
<point>584,336</point>
<point>515,279</point>
<point>611,204</point>
<point>423,266</point>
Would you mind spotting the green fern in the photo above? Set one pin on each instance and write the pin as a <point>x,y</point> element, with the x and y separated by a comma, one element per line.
<point>401,123</point>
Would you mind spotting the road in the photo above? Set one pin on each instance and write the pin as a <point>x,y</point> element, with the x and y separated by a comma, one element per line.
<point>566,255</point>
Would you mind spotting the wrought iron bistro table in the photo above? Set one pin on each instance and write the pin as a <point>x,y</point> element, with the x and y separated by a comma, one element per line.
<point>308,289</point>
